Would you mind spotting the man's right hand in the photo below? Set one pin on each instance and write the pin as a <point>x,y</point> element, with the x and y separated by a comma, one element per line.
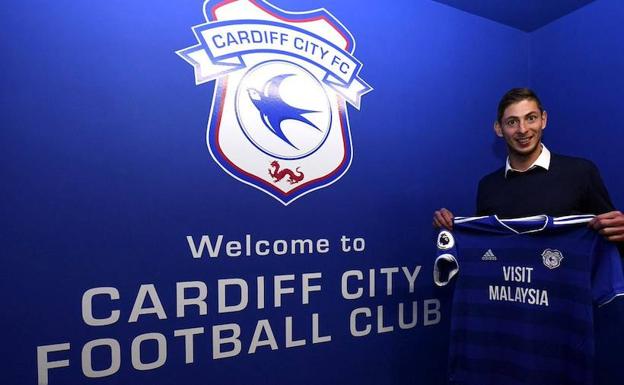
<point>443,218</point>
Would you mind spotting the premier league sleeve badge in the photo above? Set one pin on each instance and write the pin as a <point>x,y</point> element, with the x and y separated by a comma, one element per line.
<point>445,240</point>
<point>278,119</point>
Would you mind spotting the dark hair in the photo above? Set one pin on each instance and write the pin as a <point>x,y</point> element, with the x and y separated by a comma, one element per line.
<point>516,95</point>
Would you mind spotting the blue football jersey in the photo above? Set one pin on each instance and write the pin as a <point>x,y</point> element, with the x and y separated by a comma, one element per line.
<point>522,308</point>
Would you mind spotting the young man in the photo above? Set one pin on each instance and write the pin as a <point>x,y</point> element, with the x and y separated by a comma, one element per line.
<point>534,181</point>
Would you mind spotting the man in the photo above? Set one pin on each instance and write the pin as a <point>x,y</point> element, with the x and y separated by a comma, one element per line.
<point>534,181</point>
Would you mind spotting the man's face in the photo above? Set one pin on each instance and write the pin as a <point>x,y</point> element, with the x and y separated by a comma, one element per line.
<point>521,126</point>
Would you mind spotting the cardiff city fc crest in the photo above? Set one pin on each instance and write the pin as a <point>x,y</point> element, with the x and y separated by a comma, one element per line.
<point>552,258</point>
<point>278,120</point>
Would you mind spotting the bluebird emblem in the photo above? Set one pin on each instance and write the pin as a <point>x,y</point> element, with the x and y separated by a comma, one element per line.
<point>274,110</point>
<point>552,258</point>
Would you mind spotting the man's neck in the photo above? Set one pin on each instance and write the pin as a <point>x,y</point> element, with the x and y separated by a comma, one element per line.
<point>523,162</point>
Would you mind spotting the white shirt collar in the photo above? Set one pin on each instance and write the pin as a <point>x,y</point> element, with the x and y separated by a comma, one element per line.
<point>543,161</point>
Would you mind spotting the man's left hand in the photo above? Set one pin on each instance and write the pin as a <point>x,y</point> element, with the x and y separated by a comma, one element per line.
<point>610,224</point>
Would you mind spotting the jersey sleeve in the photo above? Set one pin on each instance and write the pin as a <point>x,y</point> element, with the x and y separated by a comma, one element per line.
<point>607,276</point>
<point>445,266</point>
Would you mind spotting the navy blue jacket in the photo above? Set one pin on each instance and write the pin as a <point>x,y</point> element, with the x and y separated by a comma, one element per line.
<point>570,186</point>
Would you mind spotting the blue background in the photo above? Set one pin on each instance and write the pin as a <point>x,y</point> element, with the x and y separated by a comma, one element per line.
<point>105,171</point>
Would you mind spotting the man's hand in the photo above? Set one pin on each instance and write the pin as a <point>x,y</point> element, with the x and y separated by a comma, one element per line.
<point>444,218</point>
<point>610,224</point>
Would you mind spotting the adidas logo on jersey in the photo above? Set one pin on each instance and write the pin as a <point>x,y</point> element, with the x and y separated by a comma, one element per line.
<point>488,256</point>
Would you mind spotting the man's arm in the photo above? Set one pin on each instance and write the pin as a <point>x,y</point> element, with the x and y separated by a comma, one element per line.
<point>596,199</point>
<point>480,203</point>
<point>609,222</point>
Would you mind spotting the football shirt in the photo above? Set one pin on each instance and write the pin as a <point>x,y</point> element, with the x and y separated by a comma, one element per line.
<point>524,295</point>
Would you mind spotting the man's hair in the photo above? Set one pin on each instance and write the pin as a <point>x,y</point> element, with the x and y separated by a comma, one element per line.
<point>516,95</point>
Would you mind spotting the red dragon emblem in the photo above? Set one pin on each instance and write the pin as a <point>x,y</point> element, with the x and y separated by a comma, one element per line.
<point>278,174</point>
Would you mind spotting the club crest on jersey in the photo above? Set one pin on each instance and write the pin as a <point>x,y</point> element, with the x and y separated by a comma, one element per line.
<point>278,119</point>
<point>445,240</point>
<point>552,258</point>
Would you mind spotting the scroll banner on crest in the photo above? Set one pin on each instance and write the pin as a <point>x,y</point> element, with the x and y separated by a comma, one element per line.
<point>224,45</point>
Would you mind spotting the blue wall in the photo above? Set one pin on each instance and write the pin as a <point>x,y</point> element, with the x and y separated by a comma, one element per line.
<point>575,65</point>
<point>107,172</point>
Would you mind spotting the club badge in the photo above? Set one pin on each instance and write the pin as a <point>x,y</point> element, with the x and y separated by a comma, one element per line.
<point>278,118</point>
<point>552,258</point>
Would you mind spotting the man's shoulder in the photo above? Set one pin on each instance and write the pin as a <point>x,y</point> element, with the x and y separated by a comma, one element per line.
<point>571,163</point>
<point>558,164</point>
<point>493,177</point>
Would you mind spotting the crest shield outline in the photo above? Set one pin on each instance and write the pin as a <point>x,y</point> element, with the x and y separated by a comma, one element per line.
<point>245,44</point>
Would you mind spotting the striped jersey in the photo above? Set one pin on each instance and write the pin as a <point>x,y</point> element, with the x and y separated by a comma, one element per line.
<point>524,295</point>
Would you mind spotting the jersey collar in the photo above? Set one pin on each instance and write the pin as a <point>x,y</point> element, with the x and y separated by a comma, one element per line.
<point>525,225</point>
<point>543,161</point>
